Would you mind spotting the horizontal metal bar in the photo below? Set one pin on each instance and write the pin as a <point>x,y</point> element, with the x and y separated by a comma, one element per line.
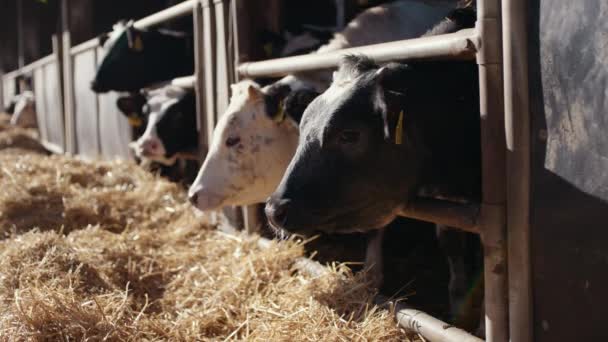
<point>462,216</point>
<point>458,45</point>
<point>30,67</point>
<point>85,46</point>
<point>173,12</point>
<point>426,325</point>
<point>51,147</point>
<point>184,82</point>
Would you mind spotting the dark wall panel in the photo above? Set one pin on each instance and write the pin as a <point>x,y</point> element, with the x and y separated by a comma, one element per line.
<point>569,214</point>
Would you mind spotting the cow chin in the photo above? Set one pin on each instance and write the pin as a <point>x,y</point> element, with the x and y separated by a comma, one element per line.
<point>357,220</point>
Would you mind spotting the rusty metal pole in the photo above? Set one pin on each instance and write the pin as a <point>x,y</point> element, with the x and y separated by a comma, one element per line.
<point>493,219</point>
<point>517,130</point>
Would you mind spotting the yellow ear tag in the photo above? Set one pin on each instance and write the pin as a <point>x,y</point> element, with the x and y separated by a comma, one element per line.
<point>399,130</point>
<point>138,44</point>
<point>134,121</point>
<point>280,116</point>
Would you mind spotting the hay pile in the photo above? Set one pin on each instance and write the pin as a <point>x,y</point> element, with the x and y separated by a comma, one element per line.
<point>105,250</point>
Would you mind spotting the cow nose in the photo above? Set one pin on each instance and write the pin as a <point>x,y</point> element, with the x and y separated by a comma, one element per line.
<point>203,199</point>
<point>151,145</point>
<point>276,211</point>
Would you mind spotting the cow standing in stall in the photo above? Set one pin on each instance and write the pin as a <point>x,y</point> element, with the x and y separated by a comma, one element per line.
<point>376,139</point>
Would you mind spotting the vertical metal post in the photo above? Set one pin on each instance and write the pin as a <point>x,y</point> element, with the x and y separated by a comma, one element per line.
<point>221,62</point>
<point>493,218</point>
<point>209,66</point>
<point>68,80</point>
<point>517,130</point>
<point>199,73</point>
<point>251,217</point>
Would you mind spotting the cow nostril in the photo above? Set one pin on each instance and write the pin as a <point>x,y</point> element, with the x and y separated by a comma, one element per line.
<point>276,211</point>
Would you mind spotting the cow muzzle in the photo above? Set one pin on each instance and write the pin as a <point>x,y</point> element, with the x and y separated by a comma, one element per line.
<point>204,200</point>
<point>276,211</point>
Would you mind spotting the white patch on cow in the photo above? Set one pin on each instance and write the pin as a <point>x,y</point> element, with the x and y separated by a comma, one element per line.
<point>249,170</point>
<point>149,145</point>
<point>24,114</point>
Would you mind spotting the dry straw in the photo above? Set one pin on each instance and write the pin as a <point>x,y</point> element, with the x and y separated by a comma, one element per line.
<point>93,251</point>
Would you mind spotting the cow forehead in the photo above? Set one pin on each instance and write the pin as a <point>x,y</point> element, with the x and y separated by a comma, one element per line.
<point>340,99</point>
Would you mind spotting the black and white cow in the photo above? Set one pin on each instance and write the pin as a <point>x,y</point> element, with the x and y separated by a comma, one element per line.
<point>136,58</point>
<point>169,117</point>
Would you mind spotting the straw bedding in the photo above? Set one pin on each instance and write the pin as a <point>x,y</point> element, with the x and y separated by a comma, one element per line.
<point>106,251</point>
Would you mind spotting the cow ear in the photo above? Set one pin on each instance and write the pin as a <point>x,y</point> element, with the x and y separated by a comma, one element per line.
<point>134,39</point>
<point>132,107</point>
<point>253,92</point>
<point>129,105</point>
<point>296,103</point>
<point>274,100</point>
<point>391,100</point>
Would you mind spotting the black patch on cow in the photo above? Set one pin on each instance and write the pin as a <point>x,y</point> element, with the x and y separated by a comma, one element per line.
<point>274,97</point>
<point>131,104</point>
<point>177,126</point>
<point>296,102</point>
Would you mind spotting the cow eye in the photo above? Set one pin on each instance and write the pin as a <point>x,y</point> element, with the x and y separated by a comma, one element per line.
<point>232,141</point>
<point>349,136</point>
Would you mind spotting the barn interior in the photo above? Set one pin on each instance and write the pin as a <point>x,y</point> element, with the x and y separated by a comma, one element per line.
<point>526,234</point>
<point>418,269</point>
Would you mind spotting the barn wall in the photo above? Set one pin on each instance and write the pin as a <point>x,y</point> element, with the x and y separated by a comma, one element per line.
<point>569,214</point>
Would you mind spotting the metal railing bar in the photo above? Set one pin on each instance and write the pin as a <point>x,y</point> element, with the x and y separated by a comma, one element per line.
<point>184,82</point>
<point>458,45</point>
<point>451,214</point>
<point>173,12</point>
<point>84,46</point>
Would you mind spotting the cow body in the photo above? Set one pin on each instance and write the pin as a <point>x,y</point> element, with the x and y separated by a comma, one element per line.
<point>136,58</point>
<point>227,180</point>
<point>23,110</point>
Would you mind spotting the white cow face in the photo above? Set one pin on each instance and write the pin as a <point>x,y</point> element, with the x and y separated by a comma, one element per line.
<point>248,154</point>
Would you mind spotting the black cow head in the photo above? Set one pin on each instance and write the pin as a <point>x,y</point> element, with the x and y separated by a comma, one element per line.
<point>136,58</point>
<point>366,144</point>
